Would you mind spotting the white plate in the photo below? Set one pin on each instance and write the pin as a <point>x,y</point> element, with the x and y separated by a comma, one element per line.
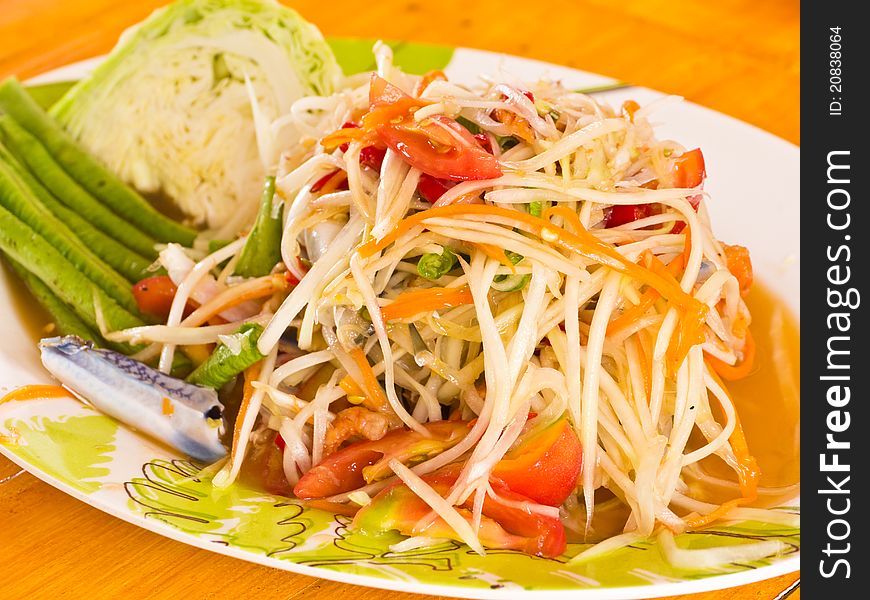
<point>754,186</point>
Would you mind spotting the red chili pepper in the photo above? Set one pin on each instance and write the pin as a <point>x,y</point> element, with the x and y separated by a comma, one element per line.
<point>529,95</point>
<point>622,214</point>
<point>431,189</point>
<point>279,441</point>
<point>372,157</point>
<point>291,279</point>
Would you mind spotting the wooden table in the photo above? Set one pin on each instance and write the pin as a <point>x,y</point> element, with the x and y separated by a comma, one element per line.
<point>740,57</point>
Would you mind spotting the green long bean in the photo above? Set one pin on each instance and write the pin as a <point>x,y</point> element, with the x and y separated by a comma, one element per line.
<point>37,159</point>
<point>128,263</point>
<point>17,199</point>
<point>40,258</point>
<point>92,175</point>
<point>262,249</point>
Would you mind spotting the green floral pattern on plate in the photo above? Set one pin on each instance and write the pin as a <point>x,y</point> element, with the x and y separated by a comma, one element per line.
<point>77,449</point>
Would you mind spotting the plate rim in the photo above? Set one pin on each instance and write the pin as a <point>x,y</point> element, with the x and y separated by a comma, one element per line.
<point>789,564</point>
<point>784,566</point>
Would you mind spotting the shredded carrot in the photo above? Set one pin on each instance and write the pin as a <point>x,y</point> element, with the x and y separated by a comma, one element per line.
<point>629,107</point>
<point>687,247</point>
<point>250,290</point>
<point>722,510</point>
<point>426,300</point>
<point>739,371</point>
<point>694,312</point>
<point>748,475</point>
<point>167,407</point>
<point>342,136</point>
<point>496,253</point>
<point>350,387</point>
<point>333,182</point>
<point>632,315</point>
<point>646,366</point>
<point>648,298</point>
<point>34,392</point>
<point>370,381</point>
<point>251,375</point>
<point>581,242</point>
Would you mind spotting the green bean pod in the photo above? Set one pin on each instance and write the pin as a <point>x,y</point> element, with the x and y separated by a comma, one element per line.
<point>32,154</point>
<point>17,199</point>
<point>262,250</point>
<point>90,173</point>
<point>128,263</point>
<point>40,258</point>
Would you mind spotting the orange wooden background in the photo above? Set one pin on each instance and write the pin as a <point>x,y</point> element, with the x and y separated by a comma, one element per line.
<point>741,57</point>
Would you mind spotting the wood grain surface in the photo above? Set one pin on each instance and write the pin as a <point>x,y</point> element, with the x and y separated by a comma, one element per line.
<point>740,57</point>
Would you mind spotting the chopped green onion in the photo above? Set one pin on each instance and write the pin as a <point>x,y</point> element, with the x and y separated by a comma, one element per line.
<point>511,283</point>
<point>514,257</point>
<point>536,208</point>
<point>434,266</point>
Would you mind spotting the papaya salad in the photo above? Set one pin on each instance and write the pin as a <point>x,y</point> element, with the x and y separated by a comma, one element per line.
<point>493,313</point>
<point>496,309</point>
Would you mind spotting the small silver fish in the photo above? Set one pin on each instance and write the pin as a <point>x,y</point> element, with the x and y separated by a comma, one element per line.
<point>185,416</point>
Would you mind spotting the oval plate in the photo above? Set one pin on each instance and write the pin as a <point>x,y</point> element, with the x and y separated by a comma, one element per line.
<point>753,183</point>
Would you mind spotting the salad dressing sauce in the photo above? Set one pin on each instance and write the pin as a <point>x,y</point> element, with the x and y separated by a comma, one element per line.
<point>768,400</point>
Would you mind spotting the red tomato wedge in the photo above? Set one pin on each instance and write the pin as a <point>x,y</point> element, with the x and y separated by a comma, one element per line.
<point>430,189</point>
<point>364,462</point>
<point>437,145</point>
<point>504,527</point>
<point>689,170</point>
<point>154,295</point>
<point>544,467</point>
<point>621,214</point>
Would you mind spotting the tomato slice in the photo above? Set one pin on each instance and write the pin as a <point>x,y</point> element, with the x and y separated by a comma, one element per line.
<point>504,527</point>
<point>431,189</point>
<point>364,462</point>
<point>154,295</point>
<point>372,157</point>
<point>689,170</point>
<point>621,214</point>
<point>437,145</point>
<point>545,467</point>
